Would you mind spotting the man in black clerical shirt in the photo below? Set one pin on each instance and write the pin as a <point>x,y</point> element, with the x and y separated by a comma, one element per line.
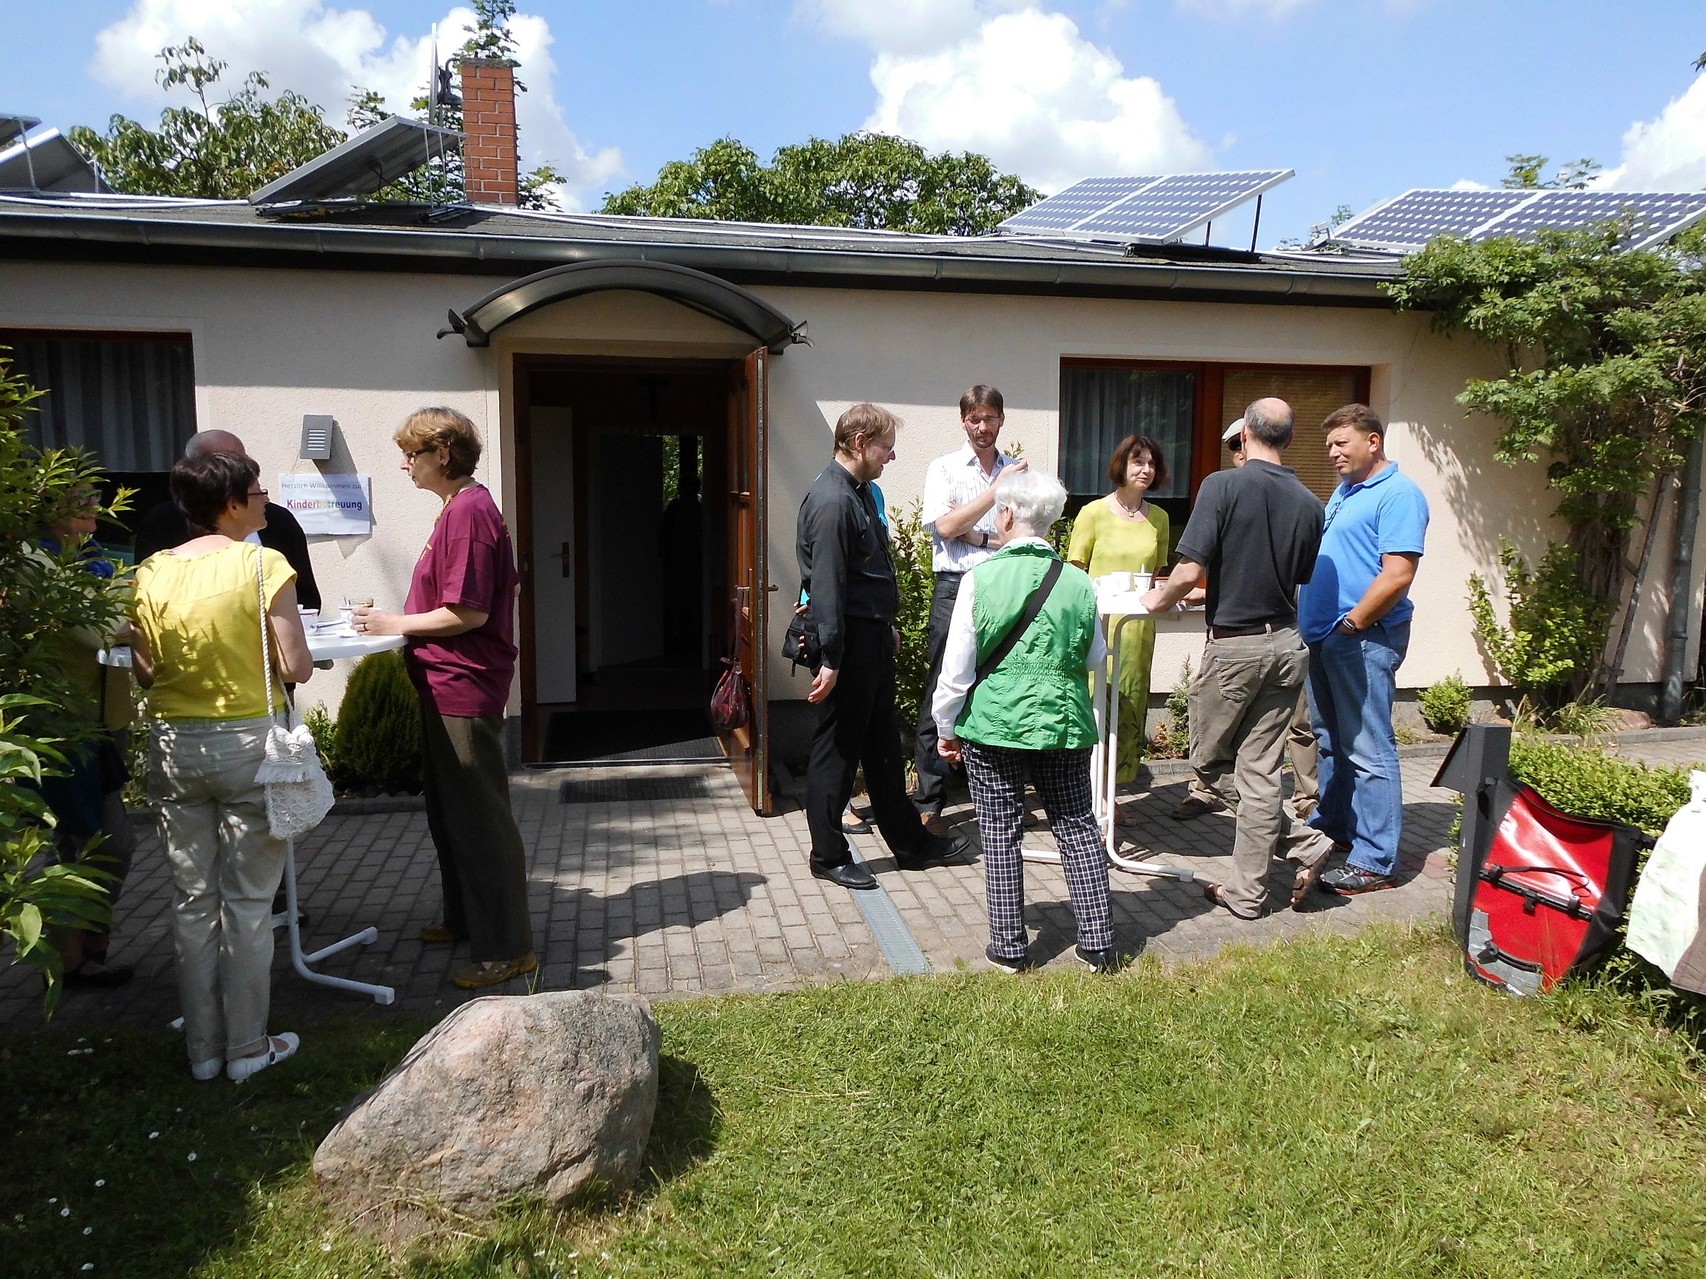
<point>165,527</point>
<point>843,552</point>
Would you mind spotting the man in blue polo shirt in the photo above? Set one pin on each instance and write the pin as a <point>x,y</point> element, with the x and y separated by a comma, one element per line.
<point>1355,616</point>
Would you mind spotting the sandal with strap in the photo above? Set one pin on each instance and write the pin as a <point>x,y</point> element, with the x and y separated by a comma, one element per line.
<point>1216,894</point>
<point>279,1048</point>
<point>495,972</point>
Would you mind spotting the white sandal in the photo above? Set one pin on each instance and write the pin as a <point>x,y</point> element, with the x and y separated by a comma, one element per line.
<point>279,1047</point>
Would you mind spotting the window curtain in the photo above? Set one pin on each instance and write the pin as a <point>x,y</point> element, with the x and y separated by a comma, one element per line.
<point>1100,407</point>
<point>129,402</point>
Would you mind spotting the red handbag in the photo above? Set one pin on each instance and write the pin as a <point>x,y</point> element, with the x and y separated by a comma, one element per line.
<point>731,703</point>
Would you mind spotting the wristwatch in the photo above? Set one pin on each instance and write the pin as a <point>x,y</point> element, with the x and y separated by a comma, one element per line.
<point>1347,626</point>
<point>985,543</point>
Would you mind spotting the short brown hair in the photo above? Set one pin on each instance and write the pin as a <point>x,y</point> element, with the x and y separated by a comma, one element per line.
<point>442,428</point>
<point>1359,416</point>
<point>1129,447</point>
<point>870,420</point>
<point>982,396</point>
<point>205,485</point>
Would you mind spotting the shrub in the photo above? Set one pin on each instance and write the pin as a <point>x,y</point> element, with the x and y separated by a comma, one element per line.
<point>1556,632</point>
<point>319,722</point>
<point>1445,705</point>
<point>916,581</point>
<point>1590,783</point>
<point>377,743</point>
<point>1172,740</point>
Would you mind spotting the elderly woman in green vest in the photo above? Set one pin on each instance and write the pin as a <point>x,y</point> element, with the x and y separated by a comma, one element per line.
<point>1013,702</point>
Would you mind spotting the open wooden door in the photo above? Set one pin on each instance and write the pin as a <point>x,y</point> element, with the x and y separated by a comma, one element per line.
<point>748,748</point>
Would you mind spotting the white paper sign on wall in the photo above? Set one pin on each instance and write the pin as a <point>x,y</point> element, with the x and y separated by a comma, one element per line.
<point>341,505</point>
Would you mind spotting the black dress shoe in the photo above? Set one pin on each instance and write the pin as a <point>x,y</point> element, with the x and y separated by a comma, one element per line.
<point>934,851</point>
<point>848,875</point>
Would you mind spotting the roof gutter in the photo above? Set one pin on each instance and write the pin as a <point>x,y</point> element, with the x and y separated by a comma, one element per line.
<point>526,254</point>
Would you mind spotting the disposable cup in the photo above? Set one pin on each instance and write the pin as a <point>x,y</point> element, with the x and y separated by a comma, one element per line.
<point>1140,582</point>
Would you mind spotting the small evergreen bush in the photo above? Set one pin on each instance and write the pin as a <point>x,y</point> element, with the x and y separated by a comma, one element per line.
<point>916,581</point>
<point>1590,783</point>
<point>1445,706</point>
<point>1172,739</point>
<point>1556,632</point>
<point>377,743</point>
<point>319,722</point>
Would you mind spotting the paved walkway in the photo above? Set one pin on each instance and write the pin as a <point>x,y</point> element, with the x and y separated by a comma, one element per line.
<point>663,882</point>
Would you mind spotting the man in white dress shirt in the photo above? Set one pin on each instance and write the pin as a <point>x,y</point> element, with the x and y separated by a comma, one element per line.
<point>959,502</point>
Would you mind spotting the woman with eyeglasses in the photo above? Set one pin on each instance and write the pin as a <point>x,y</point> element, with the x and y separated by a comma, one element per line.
<point>1124,532</point>
<point>198,653</point>
<point>458,622</point>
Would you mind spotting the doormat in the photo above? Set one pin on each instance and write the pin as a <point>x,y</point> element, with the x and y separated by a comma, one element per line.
<point>635,790</point>
<point>617,737</point>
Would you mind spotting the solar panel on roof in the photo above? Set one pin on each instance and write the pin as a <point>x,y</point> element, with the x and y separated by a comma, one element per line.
<point>45,161</point>
<point>1407,223</point>
<point>391,149</point>
<point>1079,201</point>
<point>1655,216</point>
<point>13,127</point>
<point>1177,205</point>
<point>1412,219</point>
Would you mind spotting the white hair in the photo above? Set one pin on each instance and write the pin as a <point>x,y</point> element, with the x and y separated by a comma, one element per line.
<point>1035,498</point>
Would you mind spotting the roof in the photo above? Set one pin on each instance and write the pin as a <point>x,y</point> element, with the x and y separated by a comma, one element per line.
<point>501,240</point>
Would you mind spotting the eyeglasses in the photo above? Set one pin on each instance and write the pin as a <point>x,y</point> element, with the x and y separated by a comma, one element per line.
<point>989,419</point>
<point>412,454</point>
<point>259,493</point>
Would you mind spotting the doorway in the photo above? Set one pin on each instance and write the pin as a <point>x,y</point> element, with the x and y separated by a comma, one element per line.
<point>625,571</point>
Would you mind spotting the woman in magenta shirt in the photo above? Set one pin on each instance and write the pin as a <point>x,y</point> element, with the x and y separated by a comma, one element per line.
<point>459,621</point>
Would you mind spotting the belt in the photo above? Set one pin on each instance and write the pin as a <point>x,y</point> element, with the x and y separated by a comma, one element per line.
<point>1239,632</point>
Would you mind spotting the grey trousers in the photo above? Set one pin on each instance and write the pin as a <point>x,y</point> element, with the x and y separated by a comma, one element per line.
<point>225,869</point>
<point>1301,753</point>
<point>1242,702</point>
<point>480,856</point>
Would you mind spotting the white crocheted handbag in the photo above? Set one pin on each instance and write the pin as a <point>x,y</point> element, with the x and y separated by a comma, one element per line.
<point>298,792</point>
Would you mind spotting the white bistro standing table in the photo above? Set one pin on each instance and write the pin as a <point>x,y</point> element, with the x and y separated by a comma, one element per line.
<point>1114,613</point>
<point>325,648</point>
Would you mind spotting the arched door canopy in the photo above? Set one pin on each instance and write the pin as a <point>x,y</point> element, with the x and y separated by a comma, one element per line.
<point>704,293</point>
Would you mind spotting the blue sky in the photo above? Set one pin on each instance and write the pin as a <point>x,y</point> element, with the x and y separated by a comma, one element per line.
<point>1364,98</point>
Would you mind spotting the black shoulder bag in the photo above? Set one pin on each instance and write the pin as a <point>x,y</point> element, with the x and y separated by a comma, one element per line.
<point>1033,606</point>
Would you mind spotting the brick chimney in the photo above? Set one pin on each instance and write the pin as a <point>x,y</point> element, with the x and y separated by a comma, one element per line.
<point>488,118</point>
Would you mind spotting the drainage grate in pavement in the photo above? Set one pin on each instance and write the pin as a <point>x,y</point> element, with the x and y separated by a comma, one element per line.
<point>616,790</point>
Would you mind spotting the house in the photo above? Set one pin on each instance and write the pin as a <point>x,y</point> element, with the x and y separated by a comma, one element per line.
<point>607,358</point>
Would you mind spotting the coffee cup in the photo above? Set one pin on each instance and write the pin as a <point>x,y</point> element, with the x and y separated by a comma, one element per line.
<point>310,617</point>
<point>1140,582</point>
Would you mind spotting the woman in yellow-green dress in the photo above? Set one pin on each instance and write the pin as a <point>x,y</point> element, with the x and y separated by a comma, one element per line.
<point>1125,533</point>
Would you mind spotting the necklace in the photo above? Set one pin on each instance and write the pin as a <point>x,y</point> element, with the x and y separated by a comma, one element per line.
<point>1130,512</point>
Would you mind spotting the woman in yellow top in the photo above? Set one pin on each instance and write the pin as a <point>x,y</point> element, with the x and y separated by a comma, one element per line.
<point>198,652</point>
<point>1125,533</point>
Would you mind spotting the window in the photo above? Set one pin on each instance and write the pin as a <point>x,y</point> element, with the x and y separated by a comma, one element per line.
<point>1185,407</point>
<point>127,398</point>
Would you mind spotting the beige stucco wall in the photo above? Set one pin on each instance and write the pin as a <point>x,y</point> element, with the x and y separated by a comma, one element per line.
<point>271,346</point>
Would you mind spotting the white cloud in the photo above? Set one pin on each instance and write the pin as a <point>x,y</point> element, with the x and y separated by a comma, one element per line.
<point>1470,184</point>
<point>1666,154</point>
<point>1045,103</point>
<point>1235,10</point>
<point>894,25</point>
<point>324,52</point>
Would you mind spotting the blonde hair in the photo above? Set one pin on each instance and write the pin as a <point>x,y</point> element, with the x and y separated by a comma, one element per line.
<point>442,428</point>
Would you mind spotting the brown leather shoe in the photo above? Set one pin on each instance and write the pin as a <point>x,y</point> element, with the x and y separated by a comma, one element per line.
<point>495,972</point>
<point>1194,806</point>
<point>441,935</point>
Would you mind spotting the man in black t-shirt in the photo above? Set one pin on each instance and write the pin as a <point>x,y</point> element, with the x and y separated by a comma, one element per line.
<point>1254,532</point>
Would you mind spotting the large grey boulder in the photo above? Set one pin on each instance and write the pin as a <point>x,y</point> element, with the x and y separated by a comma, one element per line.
<point>542,1097</point>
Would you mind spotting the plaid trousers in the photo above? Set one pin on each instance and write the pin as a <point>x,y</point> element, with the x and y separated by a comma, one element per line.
<point>1062,778</point>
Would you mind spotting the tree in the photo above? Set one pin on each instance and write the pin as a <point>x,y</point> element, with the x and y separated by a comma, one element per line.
<point>1607,381</point>
<point>1525,172</point>
<point>40,595</point>
<point>221,151</point>
<point>867,180</point>
<point>489,37</point>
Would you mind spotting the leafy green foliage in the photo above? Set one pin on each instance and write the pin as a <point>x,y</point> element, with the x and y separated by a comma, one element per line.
<point>1607,356</point>
<point>917,582</point>
<point>221,151</point>
<point>1172,737</point>
<point>376,747</point>
<point>1445,706</point>
<point>1591,783</point>
<point>320,725</point>
<point>1526,173</point>
<point>866,180</point>
<point>1556,631</point>
<point>441,178</point>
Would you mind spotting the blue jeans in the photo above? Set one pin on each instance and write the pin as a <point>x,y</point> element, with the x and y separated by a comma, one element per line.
<point>1352,679</point>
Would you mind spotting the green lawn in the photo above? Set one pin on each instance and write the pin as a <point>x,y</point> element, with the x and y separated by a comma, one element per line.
<point>1334,1107</point>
